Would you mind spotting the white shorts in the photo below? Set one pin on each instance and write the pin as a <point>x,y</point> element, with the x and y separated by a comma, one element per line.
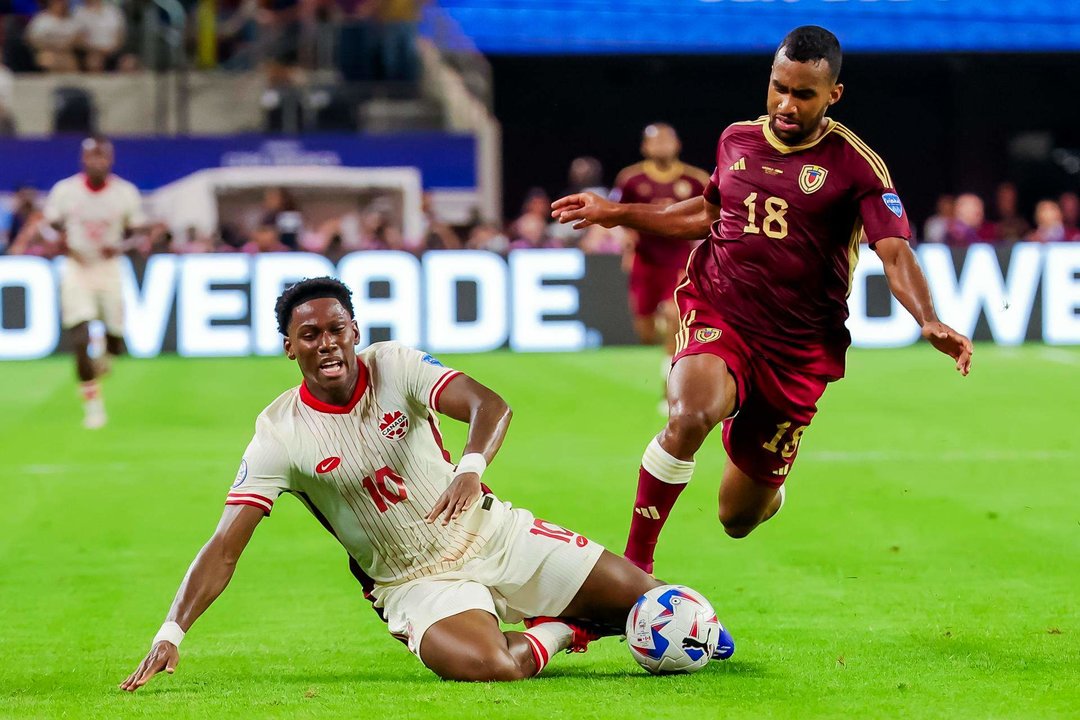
<point>530,567</point>
<point>92,292</point>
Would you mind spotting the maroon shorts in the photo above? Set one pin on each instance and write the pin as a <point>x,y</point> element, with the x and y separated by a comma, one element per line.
<point>774,405</point>
<point>651,285</point>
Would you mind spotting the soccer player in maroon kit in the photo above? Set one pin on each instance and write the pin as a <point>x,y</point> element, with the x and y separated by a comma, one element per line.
<point>764,303</point>
<point>658,262</point>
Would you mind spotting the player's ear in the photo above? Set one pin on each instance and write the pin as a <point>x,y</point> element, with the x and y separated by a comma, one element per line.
<point>356,333</point>
<point>837,91</point>
<point>288,348</point>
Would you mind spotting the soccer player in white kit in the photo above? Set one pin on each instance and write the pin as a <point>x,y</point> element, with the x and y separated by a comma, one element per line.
<point>94,210</point>
<point>441,558</point>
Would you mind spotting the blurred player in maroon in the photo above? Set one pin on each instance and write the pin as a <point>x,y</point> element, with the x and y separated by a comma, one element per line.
<point>764,304</point>
<point>658,262</point>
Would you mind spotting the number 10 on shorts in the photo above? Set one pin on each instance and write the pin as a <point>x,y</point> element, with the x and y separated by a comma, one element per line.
<point>550,530</point>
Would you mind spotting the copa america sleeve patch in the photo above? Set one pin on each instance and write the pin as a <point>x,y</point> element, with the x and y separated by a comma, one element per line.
<point>892,201</point>
<point>241,474</point>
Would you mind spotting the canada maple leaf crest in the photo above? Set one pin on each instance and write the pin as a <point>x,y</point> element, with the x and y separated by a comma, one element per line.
<point>394,425</point>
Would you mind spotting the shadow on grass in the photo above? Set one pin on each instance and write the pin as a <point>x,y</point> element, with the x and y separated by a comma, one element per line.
<point>305,680</point>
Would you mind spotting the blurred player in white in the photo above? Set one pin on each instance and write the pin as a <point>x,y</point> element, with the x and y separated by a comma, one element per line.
<point>441,558</point>
<point>94,210</point>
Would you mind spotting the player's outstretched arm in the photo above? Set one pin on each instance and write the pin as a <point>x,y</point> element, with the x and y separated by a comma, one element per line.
<point>208,575</point>
<point>488,417</point>
<point>686,220</point>
<point>908,284</point>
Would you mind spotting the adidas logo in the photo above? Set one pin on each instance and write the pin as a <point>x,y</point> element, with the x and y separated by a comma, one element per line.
<point>649,512</point>
<point>739,164</point>
<point>782,472</point>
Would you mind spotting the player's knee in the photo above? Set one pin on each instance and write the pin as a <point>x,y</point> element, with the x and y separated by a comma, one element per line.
<point>689,426</point>
<point>737,524</point>
<point>495,665</point>
<point>738,531</point>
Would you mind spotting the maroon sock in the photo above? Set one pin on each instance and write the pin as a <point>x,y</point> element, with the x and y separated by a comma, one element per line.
<point>655,498</point>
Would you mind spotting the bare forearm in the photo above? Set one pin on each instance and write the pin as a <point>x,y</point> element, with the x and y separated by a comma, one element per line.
<point>488,424</point>
<point>205,580</point>
<point>686,220</point>
<point>908,284</point>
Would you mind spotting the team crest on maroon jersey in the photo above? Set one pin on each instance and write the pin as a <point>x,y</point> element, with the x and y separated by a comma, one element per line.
<point>812,178</point>
<point>394,425</point>
<point>707,335</point>
<point>683,189</point>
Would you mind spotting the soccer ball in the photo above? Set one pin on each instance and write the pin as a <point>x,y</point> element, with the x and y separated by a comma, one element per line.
<point>672,629</point>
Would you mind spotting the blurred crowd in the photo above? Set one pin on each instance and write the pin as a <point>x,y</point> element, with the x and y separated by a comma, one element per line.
<point>367,39</point>
<point>962,220</point>
<point>66,36</point>
<point>279,224</point>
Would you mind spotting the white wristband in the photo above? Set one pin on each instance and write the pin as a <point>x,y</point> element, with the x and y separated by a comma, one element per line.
<point>171,632</point>
<point>472,462</point>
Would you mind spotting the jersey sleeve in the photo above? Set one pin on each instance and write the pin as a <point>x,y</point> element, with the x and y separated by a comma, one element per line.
<point>423,376</point>
<point>264,470</point>
<point>621,191</point>
<point>134,215</point>
<point>712,187</point>
<point>54,205</point>
<point>883,214</point>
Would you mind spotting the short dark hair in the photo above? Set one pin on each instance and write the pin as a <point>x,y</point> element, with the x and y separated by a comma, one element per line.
<point>310,289</point>
<point>809,43</point>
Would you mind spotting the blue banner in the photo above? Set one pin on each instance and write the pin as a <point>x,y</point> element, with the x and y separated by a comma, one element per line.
<point>445,161</point>
<point>517,27</point>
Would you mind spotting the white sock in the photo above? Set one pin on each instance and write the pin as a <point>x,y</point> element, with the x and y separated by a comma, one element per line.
<point>664,466</point>
<point>546,639</point>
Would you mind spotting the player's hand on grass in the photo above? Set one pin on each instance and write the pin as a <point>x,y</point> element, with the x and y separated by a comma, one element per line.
<point>163,656</point>
<point>456,499</point>
<point>584,209</point>
<point>950,342</point>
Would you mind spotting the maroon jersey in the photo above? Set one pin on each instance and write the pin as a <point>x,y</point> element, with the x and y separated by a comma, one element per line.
<point>644,182</point>
<point>780,259</point>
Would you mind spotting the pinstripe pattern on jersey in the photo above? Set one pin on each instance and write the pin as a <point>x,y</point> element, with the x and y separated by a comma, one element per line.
<point>396,544</point>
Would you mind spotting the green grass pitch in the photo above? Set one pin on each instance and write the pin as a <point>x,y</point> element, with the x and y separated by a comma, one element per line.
<point>927,563</point>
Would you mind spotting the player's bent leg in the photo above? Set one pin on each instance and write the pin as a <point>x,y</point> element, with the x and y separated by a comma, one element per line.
<point>645,328</point>
<point>93,407</point>
<point>611,589</point>
<point>701,393</point>
<point>670,315</point>
<point>80,346</point>
<point>745,503</point>
<point>470,647</point>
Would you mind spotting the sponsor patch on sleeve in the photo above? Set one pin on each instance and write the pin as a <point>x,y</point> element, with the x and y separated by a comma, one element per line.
<point>430,360</point>
<point>892,201</point>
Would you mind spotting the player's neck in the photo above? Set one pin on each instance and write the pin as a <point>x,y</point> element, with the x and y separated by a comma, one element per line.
<point>95,184</point>
<point>338,397</point>
<point>822,127</point>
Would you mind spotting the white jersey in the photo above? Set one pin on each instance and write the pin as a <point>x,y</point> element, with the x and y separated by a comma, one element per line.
<point>94,219</point>
<point>370,471</point>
